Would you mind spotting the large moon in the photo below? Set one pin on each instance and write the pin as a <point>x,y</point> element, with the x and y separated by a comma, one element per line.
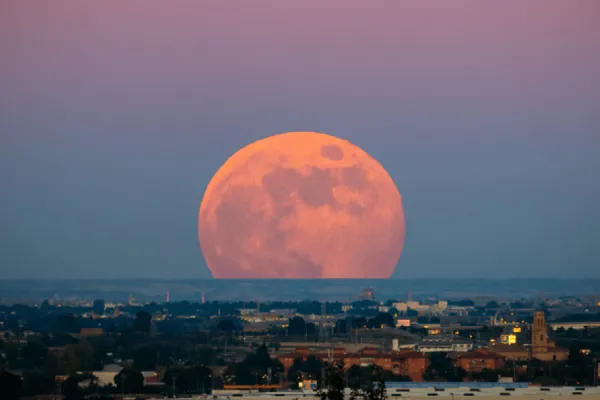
<point>301,205</point>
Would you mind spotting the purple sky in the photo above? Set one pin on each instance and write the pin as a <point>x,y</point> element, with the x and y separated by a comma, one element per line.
<point>114,116</point>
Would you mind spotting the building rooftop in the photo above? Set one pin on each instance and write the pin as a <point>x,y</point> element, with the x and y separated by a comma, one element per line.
<point>450,390</point>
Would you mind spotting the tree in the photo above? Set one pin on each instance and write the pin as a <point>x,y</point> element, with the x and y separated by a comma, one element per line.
<point>67,323</point>
<point>77,357</point>
<point>441,369</point>
<point>10,385</point>
<point>98,307</point>
<point>367,383</point>
<point>486,375</point>
<point>70,388</point>
<point>311,369</point>
<point>129,380</point>
<point>189,379</point>
<point>297,326</point>
<point>492,305</point>
<point>36,383</point>
<point>256,368</point>
<point>294,373</point>
<point>461,303</point>
<point>517,305</point>
<point>333,384</point>
<point>145,357</point>
<point>358,323</point>
<point>380,320</point>
<point>143,322</point>
<point>33,353</point>
<point>412,313</point>
<point>226,325</point>
<point>341,327</point>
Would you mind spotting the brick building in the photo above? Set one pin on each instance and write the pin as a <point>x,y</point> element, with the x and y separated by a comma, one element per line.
<point>542,347</point>
<point>478,360</point>
<point>408,363</point>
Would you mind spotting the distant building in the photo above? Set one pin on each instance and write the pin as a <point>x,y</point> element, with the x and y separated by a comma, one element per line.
<point>368,294</point>
<point>91,332</point>
<point>479,360</point>
<point>107,375</point>
<point>508,338</point>
<point>444,344</point>
<point>405,343</point>
<point>542,347</point>
<point>402,323</point>
<point>436,309</point>
<point>407,363</point>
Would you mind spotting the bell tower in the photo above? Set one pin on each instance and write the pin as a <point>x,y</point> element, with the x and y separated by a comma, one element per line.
<point>539,333</point>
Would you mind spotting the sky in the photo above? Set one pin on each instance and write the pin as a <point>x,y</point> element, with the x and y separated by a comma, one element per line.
<point>115,115</point>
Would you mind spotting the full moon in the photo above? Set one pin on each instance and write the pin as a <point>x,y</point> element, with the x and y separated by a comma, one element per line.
<point>301,205</point>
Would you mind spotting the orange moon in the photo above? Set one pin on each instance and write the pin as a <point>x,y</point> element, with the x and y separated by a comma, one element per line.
<point>301,205</point>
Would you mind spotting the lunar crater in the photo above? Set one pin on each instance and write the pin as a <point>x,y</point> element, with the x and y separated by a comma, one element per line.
<point>332,152</point>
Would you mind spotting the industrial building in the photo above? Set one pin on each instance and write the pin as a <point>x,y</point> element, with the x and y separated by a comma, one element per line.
<point>408,390</point>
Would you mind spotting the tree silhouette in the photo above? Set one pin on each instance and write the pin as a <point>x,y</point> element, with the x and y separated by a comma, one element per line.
<point>441,369</point>
<point>143,322</point>
<point>256,368</point>
<point>333,384</point>
<point>311,369</point>
<point>381,319</point>
<point>297,326</point>
<point>367,382</point>
<point>341,327</point>
<point>226,325</point>
<point>129,381</point>
<point>10,385</point>
<point>189,379</point>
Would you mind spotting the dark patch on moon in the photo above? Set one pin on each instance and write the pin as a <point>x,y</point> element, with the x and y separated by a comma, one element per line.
<point>355,178</point>
<point>239,224</point>
<point>332,152</point>
<point>240,227</point>
<point>314,189</point>
<point>354,209</point>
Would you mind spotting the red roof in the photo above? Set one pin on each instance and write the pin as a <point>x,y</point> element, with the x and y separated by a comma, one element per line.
<point>480,354</point>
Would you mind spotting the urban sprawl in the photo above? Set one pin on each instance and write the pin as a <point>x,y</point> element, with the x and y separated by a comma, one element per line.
<point>361,348</point>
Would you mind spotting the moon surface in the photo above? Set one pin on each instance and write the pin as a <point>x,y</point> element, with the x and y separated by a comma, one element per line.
<point>301,205</point>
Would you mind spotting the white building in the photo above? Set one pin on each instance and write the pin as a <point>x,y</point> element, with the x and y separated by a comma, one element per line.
<point>444,344</point>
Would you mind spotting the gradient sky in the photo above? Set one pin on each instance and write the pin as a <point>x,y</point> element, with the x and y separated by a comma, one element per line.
<point>115,114</point>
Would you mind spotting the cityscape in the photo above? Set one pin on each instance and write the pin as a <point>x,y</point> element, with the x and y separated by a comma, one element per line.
<point>103,347</point>
<point>301,200</point>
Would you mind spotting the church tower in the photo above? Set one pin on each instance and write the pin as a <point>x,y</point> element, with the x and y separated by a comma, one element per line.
<point>539,333</point>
